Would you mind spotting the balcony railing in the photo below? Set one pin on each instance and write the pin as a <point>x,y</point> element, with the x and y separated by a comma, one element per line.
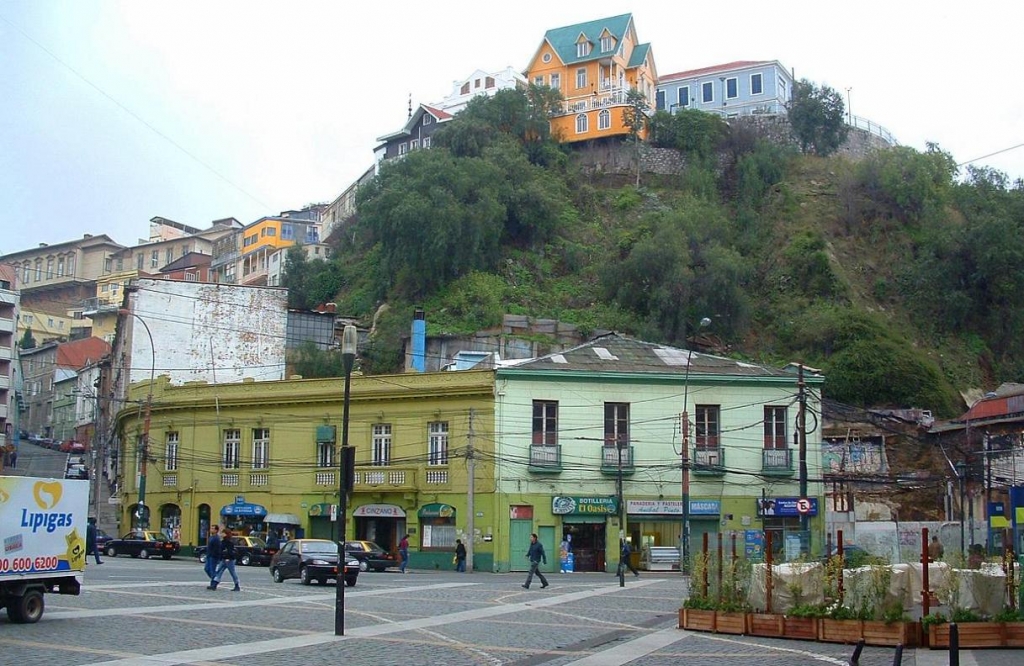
<point>611,457</point>
<point>546,459</point>
<point>392,478</point>
<point>708,461</point>
<point>91,306</point>
<point>602,100</point>
<point>777,461</point>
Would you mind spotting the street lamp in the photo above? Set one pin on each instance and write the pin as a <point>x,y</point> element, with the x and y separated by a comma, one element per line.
<point>961,468</point>
<point>348,356</point>
<point>684,555</point>
<point>140,510</point>
<point>849,109</point>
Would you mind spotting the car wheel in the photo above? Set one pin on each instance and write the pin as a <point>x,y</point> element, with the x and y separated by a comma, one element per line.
<point>26,609</point>
<point>276,575</point>
<point>111,551</point>
<point>246,559</point>
<point>350,581</point>
<point>363,566</point>
<point>144,554</point>
<point>202,558</point>
<point>166,556</point>
<point>304,576</point>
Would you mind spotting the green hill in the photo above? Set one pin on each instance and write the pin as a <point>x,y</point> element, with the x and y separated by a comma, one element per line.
<point>897,275</point>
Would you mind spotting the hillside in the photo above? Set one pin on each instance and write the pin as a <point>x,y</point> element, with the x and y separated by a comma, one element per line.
<point>897,274</point>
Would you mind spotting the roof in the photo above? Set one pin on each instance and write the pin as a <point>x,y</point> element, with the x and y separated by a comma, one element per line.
<point>617,353</point>
<point>80,353</point>
<point>640,54</point>
<point>87,240</point>
<point>190,260</point>
<point>563,40</point>
<point>714,69</point>
<point>438,114</point>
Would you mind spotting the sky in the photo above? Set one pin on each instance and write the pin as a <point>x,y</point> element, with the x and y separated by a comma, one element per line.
<point>113,112</point>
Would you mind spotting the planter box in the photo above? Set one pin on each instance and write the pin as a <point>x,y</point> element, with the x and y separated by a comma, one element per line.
<point>840,631</point>
<point>972,635</point>
<point>801,628</point>
<point>766,624</point>
<point>696,620</point>
<point>1013,635</point>
<point>872,632</point>
<point>731,623</point>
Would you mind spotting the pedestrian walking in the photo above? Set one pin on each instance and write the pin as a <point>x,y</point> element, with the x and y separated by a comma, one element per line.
<point>227,562</point>
<point>460,556</point>
<point>536,555</point>
<point>403,552</point>
<point>90,541</point>
<point>935,550</point>
<point>212,552</point>
<point>624,560</point>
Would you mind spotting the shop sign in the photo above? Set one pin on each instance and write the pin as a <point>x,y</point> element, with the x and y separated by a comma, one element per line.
<point>520,512</point>
<point>321,509</point>
<point>565,506</point>
<point>243,508</point>
<point>785,507</point>
<point>379,511</point>
<point>673,507</point>
<point>437,511</point>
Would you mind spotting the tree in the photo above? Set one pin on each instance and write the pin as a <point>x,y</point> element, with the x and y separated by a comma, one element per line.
<point>817,116</point>
<point>27,341</point>
<point>634,117</point>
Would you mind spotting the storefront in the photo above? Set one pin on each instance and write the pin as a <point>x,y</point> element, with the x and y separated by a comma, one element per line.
<point>584,526</point>
<point>437,527</point>
<point>659,523</point>
<point>381,523</point>
<point>241,516</point>
<point>780,518</point>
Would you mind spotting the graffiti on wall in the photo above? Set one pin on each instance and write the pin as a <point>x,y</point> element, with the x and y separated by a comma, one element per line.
<point>857,457</point>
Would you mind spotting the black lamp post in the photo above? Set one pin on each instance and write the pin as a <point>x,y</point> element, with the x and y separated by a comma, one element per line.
<point>684,555</point>
<point>348,355</point>
<point>141,514</point>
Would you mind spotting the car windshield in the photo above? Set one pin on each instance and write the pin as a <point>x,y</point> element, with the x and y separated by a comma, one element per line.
<point>256,542</point>
<point>326,547</point>
<point>156,536</point>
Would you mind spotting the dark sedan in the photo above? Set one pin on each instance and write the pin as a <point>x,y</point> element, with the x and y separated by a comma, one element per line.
<point>144,544</point>
<point>309,560</point>
<point>370,555</point>
<point>249,550</point>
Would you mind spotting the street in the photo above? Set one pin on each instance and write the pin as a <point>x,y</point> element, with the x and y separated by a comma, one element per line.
<point>149,612</point>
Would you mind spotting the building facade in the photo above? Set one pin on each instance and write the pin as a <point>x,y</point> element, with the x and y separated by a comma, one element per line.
<point>740,88</point>
<point>9,301</point>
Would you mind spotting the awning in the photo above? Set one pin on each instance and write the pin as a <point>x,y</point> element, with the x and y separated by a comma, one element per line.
<point>283,519</point>
<point>243,509</point>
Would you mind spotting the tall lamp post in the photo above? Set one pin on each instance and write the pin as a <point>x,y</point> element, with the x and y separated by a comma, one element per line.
<point>961,469</point>
<point>684,555</point>
<point>140,510</point>
<point>348,356</point>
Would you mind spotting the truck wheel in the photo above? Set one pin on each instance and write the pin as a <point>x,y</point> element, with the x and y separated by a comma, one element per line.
<point>26,609</point>
<point>111,552</point>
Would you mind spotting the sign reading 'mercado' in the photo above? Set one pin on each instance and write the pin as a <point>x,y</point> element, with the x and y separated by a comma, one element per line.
<point>564,506</point>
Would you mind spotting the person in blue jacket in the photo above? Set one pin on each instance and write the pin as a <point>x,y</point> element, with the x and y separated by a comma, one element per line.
<point>536,556</point>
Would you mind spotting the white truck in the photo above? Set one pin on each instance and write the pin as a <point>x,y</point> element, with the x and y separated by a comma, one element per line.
<point>42,528</point>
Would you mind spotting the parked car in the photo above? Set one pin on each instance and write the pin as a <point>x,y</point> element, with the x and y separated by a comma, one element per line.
<point>144,544</point>
<point>249,550</point>
<point>102,539</point>
<point>312,559</point>
<point>76,472</point>
<point>370,555</point>
<point>76,460</point>
<point>78,447</point>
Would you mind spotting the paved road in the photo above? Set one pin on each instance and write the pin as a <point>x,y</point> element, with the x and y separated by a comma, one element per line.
<point>156,612</point>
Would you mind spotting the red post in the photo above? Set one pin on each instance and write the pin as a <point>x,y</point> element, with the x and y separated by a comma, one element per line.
<point>720,552</point>
<point>707,558</point>
<point>926,595</point>
<point>768,572</point>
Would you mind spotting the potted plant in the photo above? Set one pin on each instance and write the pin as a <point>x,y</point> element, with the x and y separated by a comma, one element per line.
<point>731,610</point>
<point>870,612</point>
<point>698,610</point>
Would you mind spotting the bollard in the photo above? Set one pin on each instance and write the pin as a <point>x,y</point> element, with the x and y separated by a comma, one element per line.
<point>954,645</point>
<point>855,658</point>
<point>897,659</point>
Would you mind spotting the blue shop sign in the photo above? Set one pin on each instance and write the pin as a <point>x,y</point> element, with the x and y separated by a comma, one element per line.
<point>705,507</point>
<point>243,508</point>
<point>784,507</point>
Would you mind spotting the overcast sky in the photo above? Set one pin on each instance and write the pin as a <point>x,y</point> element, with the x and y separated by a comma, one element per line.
<point>114,112</point>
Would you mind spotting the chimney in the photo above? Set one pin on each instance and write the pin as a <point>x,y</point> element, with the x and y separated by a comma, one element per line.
<point>330,308</point>
<point>419,341</point>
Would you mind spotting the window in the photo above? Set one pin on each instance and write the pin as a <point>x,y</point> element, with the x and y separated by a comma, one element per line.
<point>756,84</point>
<point>604,119</point>
<point>556,81</point>
<point>191,276</point>
<point>49,322</point>
<point>171,452</point>
<point>545,431</point>
<point>581,77</point>
<point>140,261</point>
<point>271,231</point>
<point>775,427</point>
<point>49,269</point>
<point>414,144</point>
<point>476,83</point>
<point>437,443</point>
<point>706,426</point>
<point>184,250</point>
<point>232,447</point>
<point>607,43</point>
<point>71,265</point>
<point>683,96</point>
<point>659,100</point>
<point>465,88</point>
<point>39,270</point>
<point>546,57</point>
<point>582,124</point>
<point>488,82</point>
<point>25,268</point>
<point>616,424</point>
<point>260,448</point>
<point>427,119</point>
<point>104,288</point>
<point>120,265</point>
<point>154,259</point>
<point>426,142</point>
<point>732,88</point>
<point>582,49</point>
<point>168,255</point>
<point>782,91</point>
<point>287,232</point>
<point>538,80</point>
<point>403,148</point>
<point>382,444</point>
<point>325,438</point>
<point>707,92</point>
<point>60,266</point>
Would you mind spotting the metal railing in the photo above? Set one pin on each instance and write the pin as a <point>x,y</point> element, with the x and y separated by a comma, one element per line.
<point>610,457</point>
<point>708,460</point>
<point>777,460</point>
<point>861,123</point>
<point>601,100</point>
<point>545,456</point>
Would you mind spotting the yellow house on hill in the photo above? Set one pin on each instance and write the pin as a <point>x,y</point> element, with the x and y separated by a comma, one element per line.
<point>594,65</point>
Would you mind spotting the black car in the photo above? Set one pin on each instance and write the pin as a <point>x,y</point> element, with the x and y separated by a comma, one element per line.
<point>102,539</point>
<point>370,555</point>
<point>249,550</point>
<point>311,559</point>
<point>144,544</point>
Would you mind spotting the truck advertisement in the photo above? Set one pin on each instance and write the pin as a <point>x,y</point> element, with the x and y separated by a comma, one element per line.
<point>42,526</point>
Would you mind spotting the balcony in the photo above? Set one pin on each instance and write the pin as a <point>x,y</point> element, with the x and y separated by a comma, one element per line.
<point>93,306</point>
<point>602,100</point>
<point>6,354</point>
<point>708,461</point>
<point>777,462</point>
<point>546,459</point>
<point>7,325</point>
<point>610,459</point>
<point>387,478</point>
<point>5,382</point>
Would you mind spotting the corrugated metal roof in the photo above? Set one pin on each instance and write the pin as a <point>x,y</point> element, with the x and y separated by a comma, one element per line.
<point>713,69</point>
<point>80,353</point>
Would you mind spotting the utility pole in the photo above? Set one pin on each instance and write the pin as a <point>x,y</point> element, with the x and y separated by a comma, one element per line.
<point>801,429</point>
<point>622,509</point>
<point>470,495</point>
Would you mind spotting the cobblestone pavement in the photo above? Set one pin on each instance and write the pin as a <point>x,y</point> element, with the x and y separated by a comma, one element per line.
<point>159,613</point>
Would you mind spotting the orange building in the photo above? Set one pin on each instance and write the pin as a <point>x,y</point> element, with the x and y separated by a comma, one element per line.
<point>594,65</point>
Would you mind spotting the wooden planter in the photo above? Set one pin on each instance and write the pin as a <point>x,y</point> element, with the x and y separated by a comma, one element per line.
<point>801,628</point>
<point>872,632</point>
<point>840,631</point>
<point>770,625</point>
<point>731,623</point>
<point>972,635</point>
<point>696,620</point>
<point>1013,635</point>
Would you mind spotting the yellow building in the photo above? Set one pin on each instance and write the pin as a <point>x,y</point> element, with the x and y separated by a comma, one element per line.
<point>264,237</point>
<point>594,65</point>
<point>266,455</point>
<point>102,308</point>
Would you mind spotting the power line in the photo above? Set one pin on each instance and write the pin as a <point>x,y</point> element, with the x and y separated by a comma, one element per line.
<point>998,152</point>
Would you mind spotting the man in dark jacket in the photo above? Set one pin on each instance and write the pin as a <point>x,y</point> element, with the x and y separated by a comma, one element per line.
<point>460,556</point>
<point>90,540</point>
<point>227,561</point>
<point>624,552</point>
<point>536,556</point>
<point>212,552</point>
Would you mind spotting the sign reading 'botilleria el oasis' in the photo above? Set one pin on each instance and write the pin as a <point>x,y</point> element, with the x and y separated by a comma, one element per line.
<point>564,506</point>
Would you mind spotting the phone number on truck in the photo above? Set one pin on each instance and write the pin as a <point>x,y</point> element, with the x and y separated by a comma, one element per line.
<point>28,564</point>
